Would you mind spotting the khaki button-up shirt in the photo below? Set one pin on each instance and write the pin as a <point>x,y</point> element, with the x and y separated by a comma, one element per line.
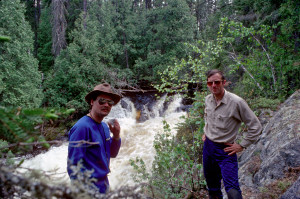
<point>222,122</point>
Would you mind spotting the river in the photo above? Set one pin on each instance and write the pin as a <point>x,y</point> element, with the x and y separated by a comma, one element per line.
<point>138,129</point>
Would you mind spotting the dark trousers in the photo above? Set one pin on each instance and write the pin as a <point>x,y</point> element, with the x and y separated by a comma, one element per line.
<point>218,165</point>
<point>102,184</point>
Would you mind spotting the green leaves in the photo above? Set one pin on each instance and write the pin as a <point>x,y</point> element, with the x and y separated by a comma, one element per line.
<point>237,47</point>
<point>18,125</point>
<point>4,38</point>
<point>176,168</point>
<point>51,116</point>
<point>20,78</point>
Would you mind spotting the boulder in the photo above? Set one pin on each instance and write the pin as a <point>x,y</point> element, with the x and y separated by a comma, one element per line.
<point>276,151</point>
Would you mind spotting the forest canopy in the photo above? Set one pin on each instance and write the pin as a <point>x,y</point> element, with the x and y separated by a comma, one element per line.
<point>58,50</point>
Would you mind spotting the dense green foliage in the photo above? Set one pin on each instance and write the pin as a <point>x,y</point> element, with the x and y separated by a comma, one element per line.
<point>17,123</point>
<point>120,43</point>
<point>20,79</point>
<point>169,43</point>
<point>168,28</point>
<point>260,59</point>
<point>44,55</point>
<point>23,125</point>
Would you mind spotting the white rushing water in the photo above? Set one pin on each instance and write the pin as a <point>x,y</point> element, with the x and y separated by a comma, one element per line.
<point>137,141</point>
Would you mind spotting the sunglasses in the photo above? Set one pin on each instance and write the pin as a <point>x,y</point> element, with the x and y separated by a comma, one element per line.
<point>217,83</point>
<point>103,101</point>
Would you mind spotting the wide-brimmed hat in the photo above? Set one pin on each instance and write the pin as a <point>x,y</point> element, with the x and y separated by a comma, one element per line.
<point>104,88</point>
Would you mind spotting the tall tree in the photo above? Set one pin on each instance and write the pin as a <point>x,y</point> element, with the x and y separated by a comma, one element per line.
<point>122,12</point>
<point>148,4</point>
<point>20,79</point>
<point>125,24</point>
<point>59,26</point>
<point>169,26</point>
<point>79,67</point>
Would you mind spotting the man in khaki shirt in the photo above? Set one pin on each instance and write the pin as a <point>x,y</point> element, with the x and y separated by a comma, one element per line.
<point>224,113</point>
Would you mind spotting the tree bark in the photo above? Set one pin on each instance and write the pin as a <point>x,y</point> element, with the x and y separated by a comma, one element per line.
<point>59,26</point>
<point>84,13</point>
<point>148,4</point>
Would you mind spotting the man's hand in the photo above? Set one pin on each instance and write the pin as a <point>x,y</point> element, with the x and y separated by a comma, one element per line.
<point>115,129</point>
<point>203,137</point>
<point>233,148</point>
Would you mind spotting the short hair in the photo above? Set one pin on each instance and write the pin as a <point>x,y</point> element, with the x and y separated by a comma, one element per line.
<point>215,71</point>
<point>94,97</point>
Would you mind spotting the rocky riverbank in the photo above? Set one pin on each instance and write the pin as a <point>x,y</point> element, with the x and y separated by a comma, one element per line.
<point>271,167</point>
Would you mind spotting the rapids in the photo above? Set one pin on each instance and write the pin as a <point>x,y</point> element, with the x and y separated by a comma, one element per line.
<point>137,141</point>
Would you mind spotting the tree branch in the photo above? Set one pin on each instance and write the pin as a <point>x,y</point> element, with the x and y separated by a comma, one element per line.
<point>79,143</point>
<point>269,59</point>
<point>233,56</point>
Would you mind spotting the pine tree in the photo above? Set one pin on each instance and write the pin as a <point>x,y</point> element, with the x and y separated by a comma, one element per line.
<point>20,79</point>
<point>59,26</point>
<point>79,67</point>
<point>169,26</point>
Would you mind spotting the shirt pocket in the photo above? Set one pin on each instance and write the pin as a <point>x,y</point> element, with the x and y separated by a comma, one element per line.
<point>223,121</point>
<point>207,113</point>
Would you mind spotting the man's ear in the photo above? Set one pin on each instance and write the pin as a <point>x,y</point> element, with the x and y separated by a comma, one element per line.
<point>224,81</point>
<point>92,102</point>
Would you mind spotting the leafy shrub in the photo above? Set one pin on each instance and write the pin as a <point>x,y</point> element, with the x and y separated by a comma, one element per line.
<point>176,170</point>
<point>265,103</point>
<point>3,146</point>
<point>190,133</point>
<point>25,126</point>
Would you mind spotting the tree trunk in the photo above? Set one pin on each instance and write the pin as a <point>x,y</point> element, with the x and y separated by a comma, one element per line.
<point>37,14</point>
<point>148,4</point>
<point>59,26</point>
<point>84,13</point>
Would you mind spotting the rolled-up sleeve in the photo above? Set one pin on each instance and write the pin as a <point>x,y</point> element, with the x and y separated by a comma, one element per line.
<point>252,122</point>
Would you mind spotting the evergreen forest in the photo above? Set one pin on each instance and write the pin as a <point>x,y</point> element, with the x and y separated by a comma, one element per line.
<point>53,52</point>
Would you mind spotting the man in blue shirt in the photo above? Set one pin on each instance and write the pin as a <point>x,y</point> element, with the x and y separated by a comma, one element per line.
<point>90,140</point>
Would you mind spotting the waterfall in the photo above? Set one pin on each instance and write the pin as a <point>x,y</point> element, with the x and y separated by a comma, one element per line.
<point>137,140</point>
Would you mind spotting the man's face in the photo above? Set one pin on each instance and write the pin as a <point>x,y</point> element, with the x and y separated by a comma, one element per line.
<point>101,106</point>
<point>216,84</point>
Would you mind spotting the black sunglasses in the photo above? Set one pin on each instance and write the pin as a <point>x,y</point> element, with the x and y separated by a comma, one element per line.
<point>218,82</point>
<point>103,101</point>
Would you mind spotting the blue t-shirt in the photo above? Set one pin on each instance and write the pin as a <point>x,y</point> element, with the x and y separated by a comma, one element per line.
<point>95,156</point>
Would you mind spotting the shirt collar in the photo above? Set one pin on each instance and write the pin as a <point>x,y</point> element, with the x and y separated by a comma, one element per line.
<point>225,97</point>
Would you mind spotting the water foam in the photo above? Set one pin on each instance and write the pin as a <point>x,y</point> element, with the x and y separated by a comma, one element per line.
<point>137,141</point>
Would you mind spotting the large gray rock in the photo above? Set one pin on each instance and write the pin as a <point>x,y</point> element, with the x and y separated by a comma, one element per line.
<point>277,149</point>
